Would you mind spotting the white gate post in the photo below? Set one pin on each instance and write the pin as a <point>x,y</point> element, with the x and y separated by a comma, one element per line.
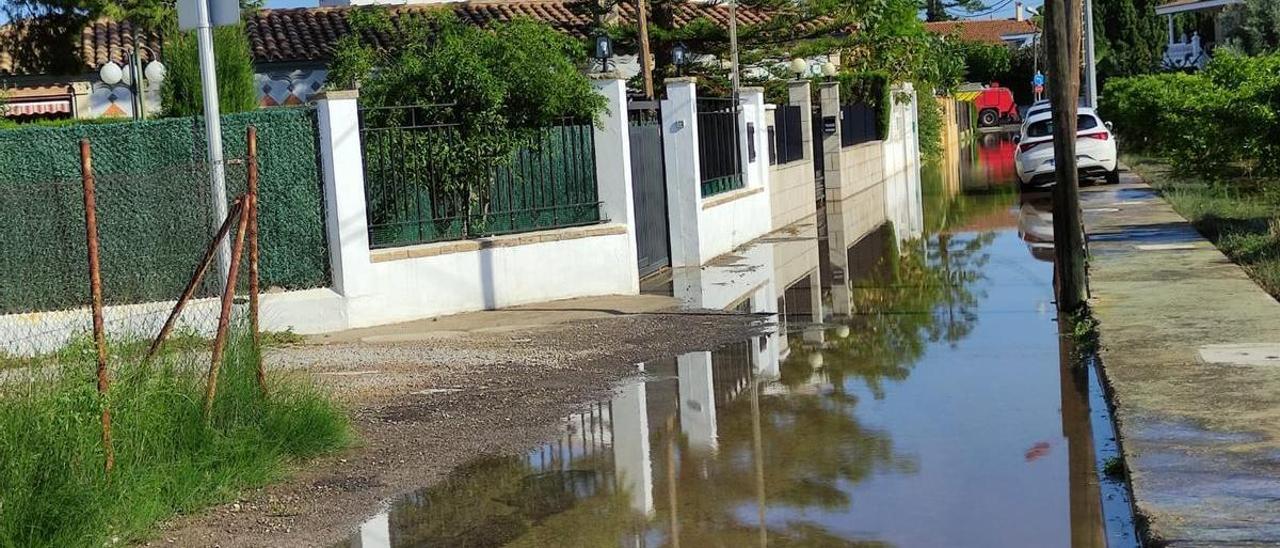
<point>346,225</point>
<point>680,156</point>
<point>613,164</point>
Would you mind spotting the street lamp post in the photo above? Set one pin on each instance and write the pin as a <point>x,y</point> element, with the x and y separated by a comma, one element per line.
<point>1090,61</point>
<point>135,77</point>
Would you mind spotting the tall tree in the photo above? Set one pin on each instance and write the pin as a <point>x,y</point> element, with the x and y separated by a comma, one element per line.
<point>1131,40</point>
<point>936,10</point>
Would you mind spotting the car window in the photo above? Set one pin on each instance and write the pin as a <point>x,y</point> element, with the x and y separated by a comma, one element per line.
<point>1044,128</point>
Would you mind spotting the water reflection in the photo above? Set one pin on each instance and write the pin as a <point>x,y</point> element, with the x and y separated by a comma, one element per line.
<point>916,393</point>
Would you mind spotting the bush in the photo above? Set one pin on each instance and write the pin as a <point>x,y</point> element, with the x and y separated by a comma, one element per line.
<point>929,115</point>
<point>181,91</point>
<point>987,63</point>
<point>169,458</point>
<point>1225,116</point>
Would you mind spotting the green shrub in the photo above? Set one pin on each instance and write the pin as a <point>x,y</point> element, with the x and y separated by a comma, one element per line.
<point>929,120</point>
<point>169,459</point>
<point>181,91</point>
<point>1227,116</point>
<point>986,63</point>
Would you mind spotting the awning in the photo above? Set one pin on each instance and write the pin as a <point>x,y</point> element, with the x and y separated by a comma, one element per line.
<point>37,108</point>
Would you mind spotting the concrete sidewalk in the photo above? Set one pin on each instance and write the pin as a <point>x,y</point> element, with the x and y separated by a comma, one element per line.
<point>1191,347</point>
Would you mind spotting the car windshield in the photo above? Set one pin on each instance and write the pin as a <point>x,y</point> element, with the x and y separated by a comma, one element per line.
<point>1044,128</point>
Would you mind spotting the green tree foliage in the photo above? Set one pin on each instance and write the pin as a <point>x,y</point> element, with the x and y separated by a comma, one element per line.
<point>1130,38</point>
<point>1256,24</point>
<point>936,10</point>
<point>986,63</point>
<point>181,91</point>
<point>1227,116</point>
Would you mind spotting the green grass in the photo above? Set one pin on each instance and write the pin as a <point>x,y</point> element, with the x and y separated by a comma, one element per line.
<point>169,459</point>
<point>1238,214</point>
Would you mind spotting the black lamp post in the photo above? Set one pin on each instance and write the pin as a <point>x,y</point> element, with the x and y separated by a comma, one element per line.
<point>679,57</point>
<point>604,50</point>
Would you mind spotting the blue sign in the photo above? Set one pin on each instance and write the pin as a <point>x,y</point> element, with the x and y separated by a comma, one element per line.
<point>1039,79</point>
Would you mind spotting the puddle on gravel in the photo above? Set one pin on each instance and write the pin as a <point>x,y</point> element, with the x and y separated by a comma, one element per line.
<point>916,393</point>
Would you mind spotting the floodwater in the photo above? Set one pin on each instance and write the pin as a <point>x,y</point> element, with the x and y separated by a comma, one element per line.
<point>916,393</point>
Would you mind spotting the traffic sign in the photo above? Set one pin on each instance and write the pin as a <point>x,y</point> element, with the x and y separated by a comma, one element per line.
<point>1039,79</point>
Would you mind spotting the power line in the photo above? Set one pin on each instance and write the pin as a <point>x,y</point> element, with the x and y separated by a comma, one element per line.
<point>990,11</point>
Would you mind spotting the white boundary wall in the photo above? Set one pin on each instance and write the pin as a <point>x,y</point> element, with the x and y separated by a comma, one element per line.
<point>384,286</point>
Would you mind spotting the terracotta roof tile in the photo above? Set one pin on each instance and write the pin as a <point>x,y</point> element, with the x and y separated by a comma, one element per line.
<point>990,31</point>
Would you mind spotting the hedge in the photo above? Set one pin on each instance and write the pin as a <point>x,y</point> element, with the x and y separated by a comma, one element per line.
<point>153,207</point>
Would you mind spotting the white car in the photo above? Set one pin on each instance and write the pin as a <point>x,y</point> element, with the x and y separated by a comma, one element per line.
<point>1095,149</point>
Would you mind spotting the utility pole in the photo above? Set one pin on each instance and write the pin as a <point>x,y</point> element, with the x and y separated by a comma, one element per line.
<point>646,64</point>
<point>733,48</point>
<point>1090,61</point>
<point>1062,24</point>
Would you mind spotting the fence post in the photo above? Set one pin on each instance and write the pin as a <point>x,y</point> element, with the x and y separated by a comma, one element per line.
<point>829,94</point>
<point>613,163</point>
<point>798,95</point>
<point>684,176</point>
<point>95,288</point>
<point>346,224</point>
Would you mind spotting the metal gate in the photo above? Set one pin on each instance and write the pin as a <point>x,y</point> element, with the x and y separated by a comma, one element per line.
<point>649,187</point>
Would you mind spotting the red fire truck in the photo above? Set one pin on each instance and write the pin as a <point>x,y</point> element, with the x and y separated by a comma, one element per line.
<point>995,106</point>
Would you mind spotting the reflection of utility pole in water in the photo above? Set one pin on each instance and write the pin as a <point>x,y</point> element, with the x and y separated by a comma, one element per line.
<point>757,447</point>
<point>673,501</point>
<point>1085,502</point>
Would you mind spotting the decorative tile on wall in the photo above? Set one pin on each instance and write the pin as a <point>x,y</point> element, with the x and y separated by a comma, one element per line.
<point>288,87</point>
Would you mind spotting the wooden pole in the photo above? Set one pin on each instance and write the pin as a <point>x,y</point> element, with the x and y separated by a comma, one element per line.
<point>252,140</point>
<point>1063,26</point>
<point>195,280</point>
<point>95,288</point>
<point>224,318</point>
<point>646,64</point>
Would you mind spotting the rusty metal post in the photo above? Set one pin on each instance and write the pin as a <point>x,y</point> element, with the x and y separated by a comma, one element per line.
<point>224,318</point>
<point>195,280</point>
<point>95,287</point>
<point>252,140</point>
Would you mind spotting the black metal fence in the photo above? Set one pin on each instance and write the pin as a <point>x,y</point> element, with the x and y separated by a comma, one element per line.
<point>786,137</point>
<point>719,151</point>
<point>427,181</point>
<point>857,124</point>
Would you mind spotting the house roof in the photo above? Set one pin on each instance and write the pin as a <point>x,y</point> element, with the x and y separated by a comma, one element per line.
<point>309,34</point>
<point>991,31</point>
<point>1179,6</point>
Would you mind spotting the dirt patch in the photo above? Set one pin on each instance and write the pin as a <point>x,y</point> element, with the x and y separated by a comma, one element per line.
<point>421,407</point>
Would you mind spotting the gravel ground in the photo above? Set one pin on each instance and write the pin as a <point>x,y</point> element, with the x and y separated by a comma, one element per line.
<point>424,406</point>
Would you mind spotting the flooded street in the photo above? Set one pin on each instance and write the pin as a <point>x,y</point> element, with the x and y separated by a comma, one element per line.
<point>916,392</point>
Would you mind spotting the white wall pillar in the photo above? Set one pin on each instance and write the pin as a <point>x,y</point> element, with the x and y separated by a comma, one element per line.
<point>346,223</point>
<point>829,94</point>
<point>684,185</point>
<point>798,94</point>
<point>631,446</point>
<point>754,130</point>
<point>613,163</point>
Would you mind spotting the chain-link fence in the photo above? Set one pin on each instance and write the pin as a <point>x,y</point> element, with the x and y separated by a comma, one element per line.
<point>155,223</point>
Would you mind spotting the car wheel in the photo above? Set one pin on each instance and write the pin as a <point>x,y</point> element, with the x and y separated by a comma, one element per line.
<point>988,118</point>
<point>1113,177</point>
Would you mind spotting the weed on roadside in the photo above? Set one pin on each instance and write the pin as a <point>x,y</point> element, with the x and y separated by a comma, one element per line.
<point>169,458</point>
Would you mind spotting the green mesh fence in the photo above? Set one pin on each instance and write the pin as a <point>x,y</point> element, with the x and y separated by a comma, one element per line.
<point>154,208</point>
